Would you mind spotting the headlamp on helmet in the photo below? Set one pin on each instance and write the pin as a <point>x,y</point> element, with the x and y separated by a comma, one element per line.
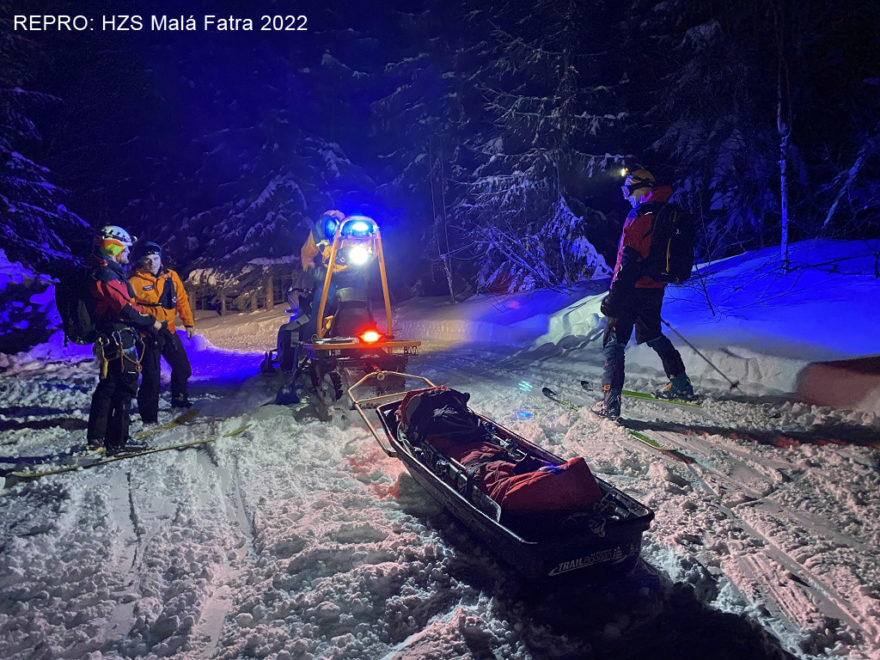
<point>635,180</point>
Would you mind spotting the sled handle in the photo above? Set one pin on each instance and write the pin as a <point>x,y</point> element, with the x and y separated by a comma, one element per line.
<point>358,404</point>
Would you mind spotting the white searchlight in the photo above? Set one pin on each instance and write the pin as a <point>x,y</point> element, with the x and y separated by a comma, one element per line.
<point>358,255</point>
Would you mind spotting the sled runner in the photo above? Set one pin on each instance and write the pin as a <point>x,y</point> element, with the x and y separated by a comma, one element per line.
<point>547,517</point>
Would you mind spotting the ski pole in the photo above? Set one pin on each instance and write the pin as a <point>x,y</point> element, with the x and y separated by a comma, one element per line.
<point>733,383</point>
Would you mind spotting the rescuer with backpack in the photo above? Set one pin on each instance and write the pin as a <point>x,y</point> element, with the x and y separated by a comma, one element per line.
<point>656,247</point>
<point>120,324</point>
<point>160,292</point>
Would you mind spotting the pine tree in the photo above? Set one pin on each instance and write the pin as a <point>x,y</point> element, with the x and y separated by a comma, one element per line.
<point>37,229</point>
<point>548,121</point>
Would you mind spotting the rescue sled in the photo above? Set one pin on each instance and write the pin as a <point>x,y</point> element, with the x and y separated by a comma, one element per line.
<point>347,342</point>
<point>590,540</point>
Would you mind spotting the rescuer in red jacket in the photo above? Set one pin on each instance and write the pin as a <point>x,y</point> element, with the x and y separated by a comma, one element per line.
<point>634,299</point>
<point>120,323</point>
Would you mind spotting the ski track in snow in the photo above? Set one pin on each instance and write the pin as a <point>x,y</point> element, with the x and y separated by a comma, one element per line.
<point>300,538</point>
<point>782,550</point>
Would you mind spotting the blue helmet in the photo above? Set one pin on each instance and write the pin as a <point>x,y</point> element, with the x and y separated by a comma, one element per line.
<point>328,223</point>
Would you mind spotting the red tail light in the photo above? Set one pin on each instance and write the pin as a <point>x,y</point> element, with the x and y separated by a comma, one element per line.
<point>371,337</point>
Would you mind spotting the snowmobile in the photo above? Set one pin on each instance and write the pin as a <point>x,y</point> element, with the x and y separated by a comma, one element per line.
<point>595,539</point>
<point>341,341</point>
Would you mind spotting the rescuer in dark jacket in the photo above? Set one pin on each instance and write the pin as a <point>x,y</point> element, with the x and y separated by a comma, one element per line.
<point>120,323</point>
<point>634,299</point>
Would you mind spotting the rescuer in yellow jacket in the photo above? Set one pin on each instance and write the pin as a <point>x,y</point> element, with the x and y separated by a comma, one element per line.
<point>159,291</point>
<point>315,252</point>
<point>315,258</point>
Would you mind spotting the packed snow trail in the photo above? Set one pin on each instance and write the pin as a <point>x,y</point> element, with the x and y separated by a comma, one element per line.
<point>296,537</point>
<point>300,536</point>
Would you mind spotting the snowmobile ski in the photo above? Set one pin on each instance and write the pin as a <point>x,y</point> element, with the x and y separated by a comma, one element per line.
<point>16,476</point>
<point>638,435</point>
<point>588,386</point>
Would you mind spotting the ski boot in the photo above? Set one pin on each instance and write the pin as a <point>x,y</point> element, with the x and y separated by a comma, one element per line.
<point>679,387</point>
<point>92,450</point>
<point>609,406</point>
<point>181,402</point>
<point>130,447</point>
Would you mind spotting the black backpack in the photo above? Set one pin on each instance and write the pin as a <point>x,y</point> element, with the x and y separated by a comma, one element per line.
<point>437,411</point>
<point>76,307</point>
<point>672,245</point>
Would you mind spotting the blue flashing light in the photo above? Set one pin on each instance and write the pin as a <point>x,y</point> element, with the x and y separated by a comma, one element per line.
<point>523,414</point>
<point>358,225</point>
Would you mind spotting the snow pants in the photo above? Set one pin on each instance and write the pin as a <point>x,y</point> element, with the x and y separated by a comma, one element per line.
<point>641,312</point>
<point>148,394</point>
<point>111,401</point>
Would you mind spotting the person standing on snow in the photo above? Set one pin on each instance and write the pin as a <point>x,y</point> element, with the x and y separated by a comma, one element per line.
<point>120,323</point>
<point>160,291</point>
<point>634,300</point>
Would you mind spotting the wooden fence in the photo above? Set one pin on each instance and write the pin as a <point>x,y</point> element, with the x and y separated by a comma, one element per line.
<point>272,292</point>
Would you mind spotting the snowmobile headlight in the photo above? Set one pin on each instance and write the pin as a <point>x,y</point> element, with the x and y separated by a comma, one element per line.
<point>358,255</point>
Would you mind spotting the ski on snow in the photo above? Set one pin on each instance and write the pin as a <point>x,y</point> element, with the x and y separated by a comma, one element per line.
<point>638,435</point>
<point>19,461</point>
<point>89,462</point>
<point>645,395</point>
<point>177,421</point>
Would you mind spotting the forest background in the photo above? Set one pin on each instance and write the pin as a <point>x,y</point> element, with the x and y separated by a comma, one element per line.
<point>486,141</point>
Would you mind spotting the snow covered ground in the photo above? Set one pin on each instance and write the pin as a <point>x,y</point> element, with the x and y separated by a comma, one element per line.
<point>300,538</point>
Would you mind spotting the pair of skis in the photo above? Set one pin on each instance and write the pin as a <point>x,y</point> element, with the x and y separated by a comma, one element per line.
<point>637,435</point>
<point>40,469</point>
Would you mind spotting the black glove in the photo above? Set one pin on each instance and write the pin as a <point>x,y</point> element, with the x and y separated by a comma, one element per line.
<point>611,305</point>
<point>150,334</point>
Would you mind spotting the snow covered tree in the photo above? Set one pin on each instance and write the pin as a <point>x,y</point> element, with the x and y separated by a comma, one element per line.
<point>36,227</point>
<point>762,113</point>
<point>419,120</point>
<point>218,149</point>
<point>546,123</point>
<point>845,86</point>
<point>701,91</point>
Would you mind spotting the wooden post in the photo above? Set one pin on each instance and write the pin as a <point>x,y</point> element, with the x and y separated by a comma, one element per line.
<point>270,292</point>
<point>222,302</point>
<point>254,302</point>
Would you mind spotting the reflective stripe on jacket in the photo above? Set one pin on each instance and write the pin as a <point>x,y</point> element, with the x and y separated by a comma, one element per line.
<point>162,295</point>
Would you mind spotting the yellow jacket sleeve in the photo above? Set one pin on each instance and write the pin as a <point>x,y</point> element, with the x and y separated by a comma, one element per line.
<point>183,308</point>
<point>308,252</point>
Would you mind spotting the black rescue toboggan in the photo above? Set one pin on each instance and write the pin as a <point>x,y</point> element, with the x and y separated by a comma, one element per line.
<point>600,539</point>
